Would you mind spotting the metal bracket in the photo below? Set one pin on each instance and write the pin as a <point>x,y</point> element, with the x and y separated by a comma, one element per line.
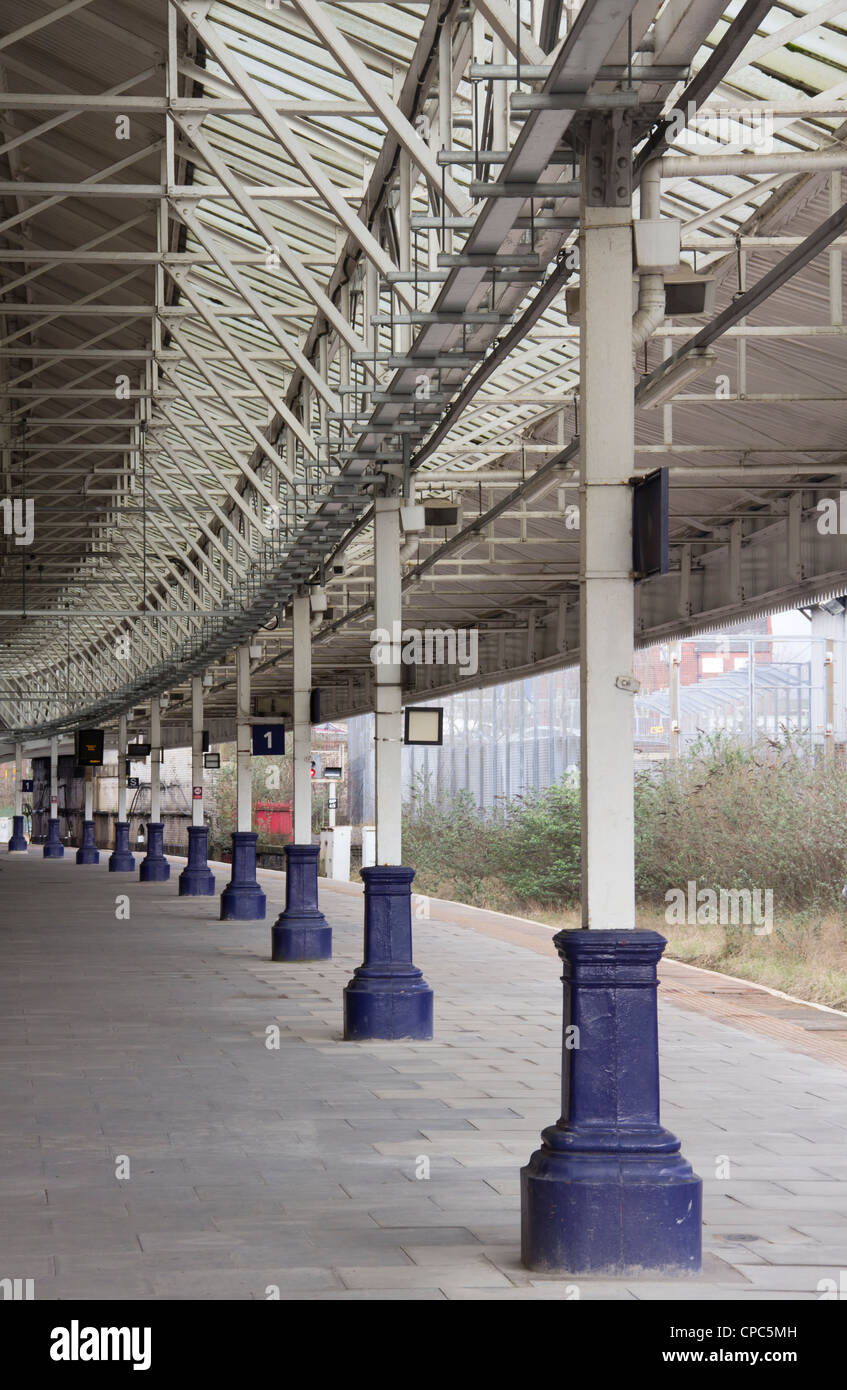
<point>608,181</point>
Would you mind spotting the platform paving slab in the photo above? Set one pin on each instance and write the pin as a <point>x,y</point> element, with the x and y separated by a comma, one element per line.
<point>327,1170</point>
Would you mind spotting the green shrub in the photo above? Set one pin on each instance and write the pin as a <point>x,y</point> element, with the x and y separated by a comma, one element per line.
<point>724,815</point>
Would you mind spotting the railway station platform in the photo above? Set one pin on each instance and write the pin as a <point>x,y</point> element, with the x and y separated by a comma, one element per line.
<point>158,1144</point>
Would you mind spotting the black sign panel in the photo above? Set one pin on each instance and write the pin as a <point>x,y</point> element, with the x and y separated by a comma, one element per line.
<point>650,549</point>
<point>89,747</point>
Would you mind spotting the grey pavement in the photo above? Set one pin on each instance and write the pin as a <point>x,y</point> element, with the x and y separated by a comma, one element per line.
<point>156,1144</point>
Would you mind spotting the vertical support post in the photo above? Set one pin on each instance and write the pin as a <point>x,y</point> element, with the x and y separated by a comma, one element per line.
<point>155,764</point>
<point>53,847</point>
<point>673,680</point>
<point>196,750</point>
<point>829,673</point>
<point>17,843</point>
<point>388,727</point>
<point>122,746</point>
<point>154,866</point>
<point>197,879</point>
<point>606,584</point>
<point>243,748</point>
<point>243,900</point>
<point>121,860</point>
<point>88,852</point>
<point>388,996</point>
<point>608,1192</point>
<point>301,932</point>
<point>301,640</point>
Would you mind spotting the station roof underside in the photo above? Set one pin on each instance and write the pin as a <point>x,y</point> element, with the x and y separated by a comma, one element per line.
<point>231,255</point>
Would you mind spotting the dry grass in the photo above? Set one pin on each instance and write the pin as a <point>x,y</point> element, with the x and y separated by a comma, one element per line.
<point>804,955</point>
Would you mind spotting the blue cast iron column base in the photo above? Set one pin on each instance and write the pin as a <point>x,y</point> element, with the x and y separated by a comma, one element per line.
<point>197,879</point>
<point>301,932</point>
<point>17,843</point>
<point>608,1192</point>
<point>121,860</point>
<point>154,867</point>
<point>387,996</point>
<point>53,847</point>
<point>88,852</point>
<point>243,900</point>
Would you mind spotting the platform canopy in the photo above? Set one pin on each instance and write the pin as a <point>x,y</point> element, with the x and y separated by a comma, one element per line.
<point>256,255</point>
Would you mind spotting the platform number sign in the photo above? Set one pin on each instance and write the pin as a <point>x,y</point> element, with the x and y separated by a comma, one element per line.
<point>268,738</point>
<point>27,784</point>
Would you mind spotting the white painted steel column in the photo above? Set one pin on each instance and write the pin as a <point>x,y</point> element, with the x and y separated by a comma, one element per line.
<point>196,747</point>
<point>19,772</point>
<point>122,745</point>
<point>155,765</point>
<point>388,732</point>
<point>89,793</point>
<point>244,750</point>
<point>606,583</point>
<point>301,618</point>
<point>54,778</point>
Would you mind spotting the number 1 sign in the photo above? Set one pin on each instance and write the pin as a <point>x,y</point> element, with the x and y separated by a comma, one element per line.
<point>268,738</point>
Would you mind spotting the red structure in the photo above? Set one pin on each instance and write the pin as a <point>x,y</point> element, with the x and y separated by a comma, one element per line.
<point>274,817</point>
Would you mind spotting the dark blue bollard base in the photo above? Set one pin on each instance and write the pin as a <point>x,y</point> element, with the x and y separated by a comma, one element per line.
<point>388,998</point>
<point>610,1215</point>
<point>154,867</point>
<point>388,1008</point>
<point>304,938</point>
<point>53,847</point>
<point>121,860</point>
<point>197,879</point>
<point>243,900</point>
<point>17,842</point>
<point>87,853</point>
<point>152,870</point>
<point>196,883</point>
<point>609,1193</point>
<point>301,932</point>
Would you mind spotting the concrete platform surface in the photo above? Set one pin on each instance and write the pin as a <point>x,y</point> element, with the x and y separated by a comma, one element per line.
<point>181,1120</point>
